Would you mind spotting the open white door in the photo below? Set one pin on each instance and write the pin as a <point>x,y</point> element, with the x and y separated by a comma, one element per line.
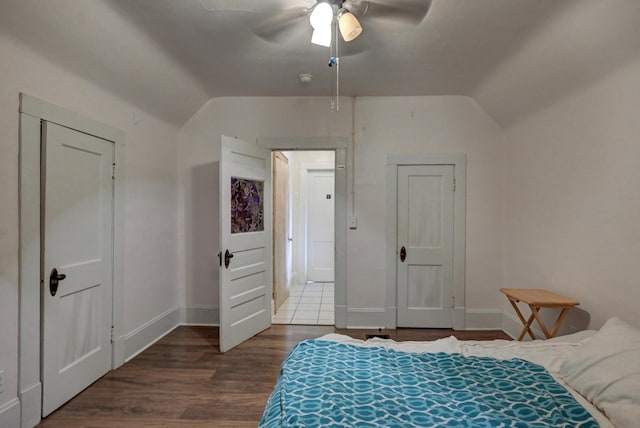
<point>245,241</point>
<point>281,241</point>
<point>78,262</point>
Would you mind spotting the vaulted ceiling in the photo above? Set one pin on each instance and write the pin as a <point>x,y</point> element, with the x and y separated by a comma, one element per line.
<point>170,56</point>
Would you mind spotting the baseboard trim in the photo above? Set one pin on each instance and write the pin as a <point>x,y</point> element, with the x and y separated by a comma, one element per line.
<point>470,319</point>
<point>366,317</point>
<point>118,349</point>
<point>200,315</point>
<point>10,414</point>
<point>391,317</point>
<point>30,406</point>
<point>150,332</point>
<point>483,319</point>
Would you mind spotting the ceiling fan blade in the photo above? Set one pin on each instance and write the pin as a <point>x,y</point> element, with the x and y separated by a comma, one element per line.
<point>410,11</point>
<point>275,26</point>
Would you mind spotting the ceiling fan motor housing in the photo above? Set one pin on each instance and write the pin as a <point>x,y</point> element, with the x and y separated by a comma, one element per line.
<point>358,8</point>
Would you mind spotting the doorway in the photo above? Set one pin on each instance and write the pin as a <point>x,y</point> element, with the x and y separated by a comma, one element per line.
<point>425,241</point>
<point>304,207</point>
<point>425,238</point>
<point>77,257</point>
<point>37,119</point>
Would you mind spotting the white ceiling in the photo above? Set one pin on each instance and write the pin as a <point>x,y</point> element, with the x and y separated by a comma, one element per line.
<point>170,56</point>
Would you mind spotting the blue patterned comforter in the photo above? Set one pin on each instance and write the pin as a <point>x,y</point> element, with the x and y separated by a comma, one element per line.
<point>328,384</point>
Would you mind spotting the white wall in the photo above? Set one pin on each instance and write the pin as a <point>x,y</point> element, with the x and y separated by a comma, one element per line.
<point>581,41</point>
<point>199,143</point>
<point>150,280</point>
<point>437,125</point>
<point>573,199</point>
<point>383,125</point>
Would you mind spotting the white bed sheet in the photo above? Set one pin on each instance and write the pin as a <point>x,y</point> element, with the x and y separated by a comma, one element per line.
<point>547,353</point>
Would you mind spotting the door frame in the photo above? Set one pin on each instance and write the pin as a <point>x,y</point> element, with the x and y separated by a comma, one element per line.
<point>305,167</point>
<point>340,146</point>
<point>459,230</point>
<point>32,112</point>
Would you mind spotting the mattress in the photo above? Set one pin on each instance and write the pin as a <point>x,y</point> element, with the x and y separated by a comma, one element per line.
<point>336,380</point>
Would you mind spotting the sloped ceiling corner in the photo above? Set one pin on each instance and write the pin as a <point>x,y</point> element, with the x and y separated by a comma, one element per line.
<point>583,41</point>
<point>91,40</point>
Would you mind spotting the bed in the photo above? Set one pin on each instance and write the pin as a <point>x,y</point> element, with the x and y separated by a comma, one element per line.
<point>587,379</point>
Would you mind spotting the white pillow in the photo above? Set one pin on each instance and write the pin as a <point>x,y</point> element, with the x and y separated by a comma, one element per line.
<point>606,370</point>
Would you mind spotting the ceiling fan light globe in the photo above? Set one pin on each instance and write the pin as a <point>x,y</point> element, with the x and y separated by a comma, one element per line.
<point>322,36</point>
<point>321,16</point>
<point>349,25</point>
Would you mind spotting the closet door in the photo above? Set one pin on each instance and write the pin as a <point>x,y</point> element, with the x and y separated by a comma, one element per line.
<point>425,246</point>
<point>78,262</point>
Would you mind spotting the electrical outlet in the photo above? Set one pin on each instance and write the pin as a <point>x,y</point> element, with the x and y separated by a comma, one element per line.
<point>1,381</point>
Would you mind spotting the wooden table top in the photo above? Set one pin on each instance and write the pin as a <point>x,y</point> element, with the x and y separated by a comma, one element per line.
<point>539,297</point>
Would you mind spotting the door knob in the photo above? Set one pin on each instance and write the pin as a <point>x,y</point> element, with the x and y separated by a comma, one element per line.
<point>403,254</point>
<point>54,281</point>
<point>227,258</point>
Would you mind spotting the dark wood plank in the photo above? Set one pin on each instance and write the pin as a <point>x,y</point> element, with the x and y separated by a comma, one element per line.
<point>184,381</point>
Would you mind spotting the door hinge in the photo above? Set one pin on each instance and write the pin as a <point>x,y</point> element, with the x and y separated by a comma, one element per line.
<point>113,335</point>
<point>113,171</point>
<point>453,302</point>
<point>454,184</point>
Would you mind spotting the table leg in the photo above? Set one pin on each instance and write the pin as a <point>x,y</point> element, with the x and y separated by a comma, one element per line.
<point>527,328</point>
<point>557,324</point>
<point>559,321</point>
<point>534,312</point>
<point>525,323</point>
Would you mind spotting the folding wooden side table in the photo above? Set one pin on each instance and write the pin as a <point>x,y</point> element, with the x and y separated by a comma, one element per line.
<point>536,299</point>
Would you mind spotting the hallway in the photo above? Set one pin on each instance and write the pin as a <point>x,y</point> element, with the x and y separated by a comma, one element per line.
<point>309,304</point>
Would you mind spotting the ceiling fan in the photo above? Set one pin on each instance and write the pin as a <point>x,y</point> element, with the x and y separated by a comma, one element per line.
<point>347,14</point>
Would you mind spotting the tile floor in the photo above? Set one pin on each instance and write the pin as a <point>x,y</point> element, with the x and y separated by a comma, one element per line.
<point>310,304</point>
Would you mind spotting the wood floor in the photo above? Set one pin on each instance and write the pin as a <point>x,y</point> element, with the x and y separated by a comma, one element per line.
<point>183,381</point>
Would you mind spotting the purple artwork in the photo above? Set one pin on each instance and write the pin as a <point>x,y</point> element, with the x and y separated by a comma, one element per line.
<point>247,205</point>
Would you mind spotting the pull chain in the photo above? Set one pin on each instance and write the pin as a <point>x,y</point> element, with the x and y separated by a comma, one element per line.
<point>337,69</point>
<point>335,77</point>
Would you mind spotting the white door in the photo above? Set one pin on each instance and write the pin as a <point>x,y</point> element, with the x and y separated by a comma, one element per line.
<point>425,246</point>
<point>320,218</point>
<point>78,244</point>
<point>245,241</point>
